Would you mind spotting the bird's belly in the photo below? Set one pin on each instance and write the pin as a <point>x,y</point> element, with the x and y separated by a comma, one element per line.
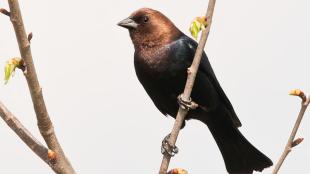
<point>164,84</point>
<point>163,89</point>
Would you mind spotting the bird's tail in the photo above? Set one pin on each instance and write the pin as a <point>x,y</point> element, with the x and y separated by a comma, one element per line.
<point>240,156</point>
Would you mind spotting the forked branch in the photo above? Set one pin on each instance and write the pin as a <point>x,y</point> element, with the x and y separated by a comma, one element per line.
<point>24,134</point>
<point>60,163</point>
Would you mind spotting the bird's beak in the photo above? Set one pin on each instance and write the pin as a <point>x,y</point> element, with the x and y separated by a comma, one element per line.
<point>128,23</point>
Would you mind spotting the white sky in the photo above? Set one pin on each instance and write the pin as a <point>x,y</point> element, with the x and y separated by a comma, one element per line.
<point>106,123</point>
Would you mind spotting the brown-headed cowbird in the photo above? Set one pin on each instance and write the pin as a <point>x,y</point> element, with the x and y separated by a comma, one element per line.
<point>162,55</point>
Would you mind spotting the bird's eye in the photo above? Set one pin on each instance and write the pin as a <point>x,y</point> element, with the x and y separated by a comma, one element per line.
<point>145,19</point>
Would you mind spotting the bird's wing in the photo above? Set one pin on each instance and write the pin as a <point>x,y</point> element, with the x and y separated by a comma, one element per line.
<point>206,69</point>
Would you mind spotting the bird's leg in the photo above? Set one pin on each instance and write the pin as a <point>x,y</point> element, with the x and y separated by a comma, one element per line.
<point>186,104</point>
<point>167,148</point>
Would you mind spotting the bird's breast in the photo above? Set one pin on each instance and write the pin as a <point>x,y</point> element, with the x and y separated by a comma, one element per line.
<point>153,60</point>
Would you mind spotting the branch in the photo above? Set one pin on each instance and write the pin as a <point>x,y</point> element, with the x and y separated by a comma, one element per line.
<point>24,134</point>
<point>192,71</point>
<point>291,142</point>
<point>5,12</point>
<point>62,165</point>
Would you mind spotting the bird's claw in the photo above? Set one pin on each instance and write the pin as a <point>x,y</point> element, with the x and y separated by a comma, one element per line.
<point>186,104</point>
<point>167,148</point>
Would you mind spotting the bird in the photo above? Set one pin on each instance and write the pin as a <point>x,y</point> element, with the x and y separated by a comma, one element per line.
<point>162,56</point>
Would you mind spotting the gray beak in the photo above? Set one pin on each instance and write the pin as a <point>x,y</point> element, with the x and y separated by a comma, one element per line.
<point>128,23</point>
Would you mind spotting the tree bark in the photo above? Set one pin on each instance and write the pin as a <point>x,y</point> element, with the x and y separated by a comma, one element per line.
<point>62,165</point>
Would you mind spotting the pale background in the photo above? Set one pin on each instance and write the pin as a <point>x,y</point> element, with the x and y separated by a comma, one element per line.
<point>106,123</point>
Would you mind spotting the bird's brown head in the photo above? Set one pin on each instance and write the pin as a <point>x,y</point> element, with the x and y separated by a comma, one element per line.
<point>149,28</point>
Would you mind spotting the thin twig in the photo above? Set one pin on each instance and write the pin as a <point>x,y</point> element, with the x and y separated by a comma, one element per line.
<point>23,133</point>
<point>5,12</point>
<point>192,71</point>
<point>291,142</point>
<point>45,125</point>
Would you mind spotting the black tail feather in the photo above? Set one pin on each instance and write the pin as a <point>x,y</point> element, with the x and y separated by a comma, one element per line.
<point>240,156</point>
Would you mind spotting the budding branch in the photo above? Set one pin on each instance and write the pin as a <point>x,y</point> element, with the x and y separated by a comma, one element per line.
<point>192,71</point>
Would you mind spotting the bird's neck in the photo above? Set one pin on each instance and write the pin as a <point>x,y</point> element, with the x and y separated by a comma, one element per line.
<point>154,41</point>
<point>146,44</point>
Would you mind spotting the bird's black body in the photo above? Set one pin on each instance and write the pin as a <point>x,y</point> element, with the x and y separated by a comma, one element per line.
<point>161,67</point>
<point>164,80</point>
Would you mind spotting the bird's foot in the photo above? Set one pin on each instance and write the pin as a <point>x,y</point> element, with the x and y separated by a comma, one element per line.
<point>186,104</point>
<point>167,148</point>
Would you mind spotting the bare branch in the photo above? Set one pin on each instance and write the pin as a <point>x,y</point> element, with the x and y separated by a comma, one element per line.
<point>23,133</point>
<point>44,123</point>
<point>291,142</point>
<point>192,71</point>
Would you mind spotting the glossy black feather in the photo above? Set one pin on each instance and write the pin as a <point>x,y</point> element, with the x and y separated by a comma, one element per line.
<point>164,85</point>
<point>162,56</point>
<point>165,80</point>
